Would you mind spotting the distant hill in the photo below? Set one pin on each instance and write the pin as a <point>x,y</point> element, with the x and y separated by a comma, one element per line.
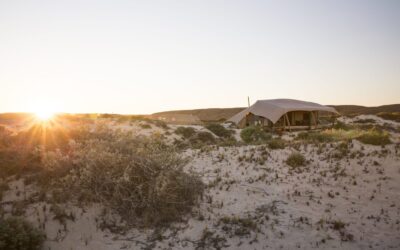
<point>219,114</point>
<point>212,114</point>
<point>354,109</point>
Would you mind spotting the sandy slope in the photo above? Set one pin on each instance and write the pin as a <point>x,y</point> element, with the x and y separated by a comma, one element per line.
<point>254,200</point>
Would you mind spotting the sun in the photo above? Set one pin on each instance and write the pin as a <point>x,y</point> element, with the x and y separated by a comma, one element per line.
<point>44,115</point>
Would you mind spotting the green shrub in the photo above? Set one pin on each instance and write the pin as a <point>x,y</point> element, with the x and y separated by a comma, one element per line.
<point>375,137</point>
<point>18,234</point>
<point>227,142</point>
<point>254,134</point>
<point>145,126</point>
<point>296,160</point>
<point>315,137</point>
<point>276,143</point>
<point>219,130</point>
<point>330,135</point>
<point>203,137</point>
<point>342,125</point>
<point>160,124</point>
<point>186,132</point>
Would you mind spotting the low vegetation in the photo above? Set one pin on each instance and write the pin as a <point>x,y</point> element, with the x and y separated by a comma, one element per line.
<point>276,143</point>
<point>18,234</point>
<point>296,160</point>
<point>219,130</point>
<point>375,137</point>
<point>394,116</point>
<point>254,134</point>
<point>371,136</point>
<point>139,178</point>
<point>185,132</point>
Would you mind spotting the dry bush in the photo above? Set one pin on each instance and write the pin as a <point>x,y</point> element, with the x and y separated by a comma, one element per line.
<point>17,154</point>
<point>139,178</point>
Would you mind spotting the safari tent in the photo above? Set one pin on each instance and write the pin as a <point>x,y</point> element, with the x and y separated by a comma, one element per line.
<point>282,113</point>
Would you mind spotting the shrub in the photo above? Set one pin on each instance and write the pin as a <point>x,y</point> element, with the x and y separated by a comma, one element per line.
<point>202,138</point>
<point>16,160</point>
<point>160,124</point>
<point>315,137</point>
<point>141,179</point>
<point>363,121</point>
<point>238,226</point>
<point>3,188</point>
<point>395,116</point>
<point>219,130</point>
<point>330,135</point>
<point>186,132</point>
<point>254,134</point>
<point>5,137</point>
<point>276,143</point>
<point>296,160</point>
<point>145,126</point>
<point>375,137</point>
<point>18,234</point>
<point>342,125</point>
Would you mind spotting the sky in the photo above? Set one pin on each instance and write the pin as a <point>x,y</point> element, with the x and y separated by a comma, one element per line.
<point>140,57</point>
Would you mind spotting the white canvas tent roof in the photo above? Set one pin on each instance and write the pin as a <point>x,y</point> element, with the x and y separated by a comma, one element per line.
<point>274,109</point>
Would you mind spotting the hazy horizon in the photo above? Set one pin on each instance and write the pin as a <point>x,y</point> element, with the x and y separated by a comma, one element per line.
<point>131,57</point>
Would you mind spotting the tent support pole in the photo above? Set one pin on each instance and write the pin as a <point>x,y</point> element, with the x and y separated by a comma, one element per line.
<point>287,118</point>
<point>284,123</point>
<point>314,121</point>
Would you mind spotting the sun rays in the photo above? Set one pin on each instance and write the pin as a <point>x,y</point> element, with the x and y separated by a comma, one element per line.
<point>44,115</point>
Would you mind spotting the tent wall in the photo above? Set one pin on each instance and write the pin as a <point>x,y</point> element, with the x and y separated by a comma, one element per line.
<point>291,119</point>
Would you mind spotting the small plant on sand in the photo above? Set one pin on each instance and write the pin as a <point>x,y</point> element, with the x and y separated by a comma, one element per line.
<point>296,160</point>
<point>18,234</point>
<point>145,126</point>
<point>186,132</point>
<point>276,143</point>
<point>254,134</point>
<point>237,226</point>
<point>219,130</point>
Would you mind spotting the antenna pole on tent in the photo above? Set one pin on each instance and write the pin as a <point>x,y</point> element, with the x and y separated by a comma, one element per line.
<point>248,101</point>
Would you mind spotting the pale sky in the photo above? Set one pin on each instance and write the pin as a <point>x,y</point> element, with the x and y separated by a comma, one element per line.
<point>148,56</point>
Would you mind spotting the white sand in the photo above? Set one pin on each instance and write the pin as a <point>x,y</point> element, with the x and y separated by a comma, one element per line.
<point>286,206</point>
